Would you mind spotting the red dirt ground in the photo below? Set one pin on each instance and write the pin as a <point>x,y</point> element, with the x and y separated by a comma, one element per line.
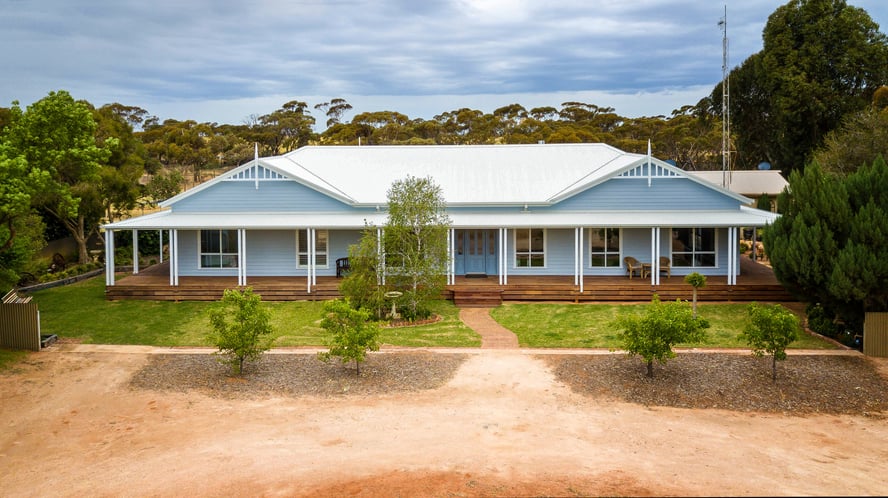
<point>503,426</point>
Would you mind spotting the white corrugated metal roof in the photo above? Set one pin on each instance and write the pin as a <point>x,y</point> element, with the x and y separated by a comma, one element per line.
<point>476,174</point>
<point>167,219</point>
<point>515,174</point>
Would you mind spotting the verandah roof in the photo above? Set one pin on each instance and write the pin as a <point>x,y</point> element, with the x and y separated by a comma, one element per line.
<point>745,217</point>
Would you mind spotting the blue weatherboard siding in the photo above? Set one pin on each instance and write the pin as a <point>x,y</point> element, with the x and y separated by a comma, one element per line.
<point>664,194</point>
<point>269,253</point>
<point>271,196</point>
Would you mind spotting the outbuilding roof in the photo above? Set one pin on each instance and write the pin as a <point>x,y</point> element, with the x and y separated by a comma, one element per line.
<point>751,183</point>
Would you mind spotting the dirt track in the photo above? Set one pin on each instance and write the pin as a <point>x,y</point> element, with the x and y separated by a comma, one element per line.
<point>502,426</point>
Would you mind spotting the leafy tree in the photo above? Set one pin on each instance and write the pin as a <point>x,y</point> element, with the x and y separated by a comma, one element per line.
<point>662,326</point>
<point>697,281</point>
<point>831,244</point>
<point>119,186</point>
<point>353,333</point>
<point>860,139</point>
<point>770,330</point>
<point>334,110</point>
<point>57,135</point>
<point>821,61</point>
<point>18,186</point>
<point>361,285</point>
<point>287,128</point>
<point>763,202</point>
<point>240,328</point>
<point>416,243</point>
<point>162,185</point>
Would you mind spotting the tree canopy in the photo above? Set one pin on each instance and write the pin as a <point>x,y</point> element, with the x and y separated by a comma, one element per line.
<point>821,61</point>
<point>831,244</point>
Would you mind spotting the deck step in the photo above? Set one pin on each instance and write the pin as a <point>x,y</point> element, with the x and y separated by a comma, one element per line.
<point>478,298</point>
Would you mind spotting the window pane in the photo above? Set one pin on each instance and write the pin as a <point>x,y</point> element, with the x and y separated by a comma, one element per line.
<point>705,239</point>
<point>229,261</point>
<point>229,241</point>
<point>537,260</point>
<point>537,240</point>
<point>522,260</point>
<point>522,240</point>
<point>321,241</point>
<point>302,241</point>
<point>704,260</point>
<point>209,261</point>
<point>681,240</point>
<point>598,260</point>
<point>209,241</point>
<point>613,260</point>
<point>597,241</point>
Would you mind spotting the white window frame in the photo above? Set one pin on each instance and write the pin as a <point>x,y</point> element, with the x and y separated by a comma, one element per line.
<point>319,251</point>
<point>530,252</point>
<point>694,251</point>
<point>221,254</point>
<point>607,251</point>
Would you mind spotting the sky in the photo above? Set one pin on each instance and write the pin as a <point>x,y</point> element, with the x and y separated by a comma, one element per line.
<point>224,61</point>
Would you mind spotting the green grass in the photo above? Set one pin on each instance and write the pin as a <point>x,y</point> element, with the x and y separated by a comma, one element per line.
<point>9,357</point>
<point>80,311</point>
<point>592,325</point>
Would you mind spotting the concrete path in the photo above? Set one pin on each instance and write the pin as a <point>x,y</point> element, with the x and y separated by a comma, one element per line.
<point>493,335</point>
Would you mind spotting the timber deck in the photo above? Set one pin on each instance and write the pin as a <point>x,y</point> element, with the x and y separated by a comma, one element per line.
<point>756,282</point>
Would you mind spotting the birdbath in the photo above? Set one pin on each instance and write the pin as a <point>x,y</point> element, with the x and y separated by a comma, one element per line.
<point>393,295</point>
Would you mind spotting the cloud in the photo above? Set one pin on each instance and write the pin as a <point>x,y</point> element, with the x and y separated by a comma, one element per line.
<point>209,59</point>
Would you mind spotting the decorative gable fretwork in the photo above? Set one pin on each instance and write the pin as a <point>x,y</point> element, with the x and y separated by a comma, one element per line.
<point>256,173</point>
<point>657,171</point>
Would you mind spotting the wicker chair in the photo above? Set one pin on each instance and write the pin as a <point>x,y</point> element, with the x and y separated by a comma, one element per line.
<point>666,265</point>
<point>632,266</point>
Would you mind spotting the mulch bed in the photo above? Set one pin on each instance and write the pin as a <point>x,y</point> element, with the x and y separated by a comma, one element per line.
<point>299,375</point>
<point>805,384</point>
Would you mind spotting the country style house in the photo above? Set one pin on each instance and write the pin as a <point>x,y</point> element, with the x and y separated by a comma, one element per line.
<point>565,212</point>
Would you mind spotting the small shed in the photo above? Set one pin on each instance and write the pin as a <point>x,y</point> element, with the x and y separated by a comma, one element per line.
<point>19,322</point>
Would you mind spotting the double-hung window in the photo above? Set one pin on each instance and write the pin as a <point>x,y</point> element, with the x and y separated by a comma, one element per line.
<point>218,248</point>
<point>530,247</point>
<point>320,249</point>
<point>604,247</point>
<point>693,247</point>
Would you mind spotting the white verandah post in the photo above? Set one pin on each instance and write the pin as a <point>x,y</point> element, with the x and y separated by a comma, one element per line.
<point>174,257</point>
<point>160,245</point>
<point>242,257</point>
<point>109,257</point>
<point>581,258</point>
<point>309,243</point>
<point>135,252</point>
<point>451,252</point>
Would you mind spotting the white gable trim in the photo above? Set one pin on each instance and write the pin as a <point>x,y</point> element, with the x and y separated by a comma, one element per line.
<point>255,171</point>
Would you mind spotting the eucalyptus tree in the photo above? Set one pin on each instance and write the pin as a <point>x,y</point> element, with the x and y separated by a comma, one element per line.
<point>57,135</point>
<point>821,61</point>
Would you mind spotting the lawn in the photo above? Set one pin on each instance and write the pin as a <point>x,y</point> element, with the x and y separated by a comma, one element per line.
<point>80,311</point>
<point>592,325</point>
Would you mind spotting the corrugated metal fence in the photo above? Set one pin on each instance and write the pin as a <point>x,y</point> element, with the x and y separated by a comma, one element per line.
<point>875,335</point>
<point>19,322</point>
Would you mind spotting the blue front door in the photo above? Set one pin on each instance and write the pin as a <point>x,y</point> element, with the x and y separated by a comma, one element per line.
<point>475,251</point>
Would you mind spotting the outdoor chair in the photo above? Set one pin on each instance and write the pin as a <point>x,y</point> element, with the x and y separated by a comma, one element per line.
<point>666,265</point>
<point>342,267</point>
<point>632,266</point>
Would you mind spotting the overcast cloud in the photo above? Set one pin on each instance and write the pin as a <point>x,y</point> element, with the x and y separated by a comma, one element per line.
<point>223,60</point>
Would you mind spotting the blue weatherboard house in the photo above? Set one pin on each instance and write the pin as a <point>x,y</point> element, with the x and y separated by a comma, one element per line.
<point>549,210</point>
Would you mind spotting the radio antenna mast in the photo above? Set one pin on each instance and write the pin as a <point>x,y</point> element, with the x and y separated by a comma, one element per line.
<point>726,109</point>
